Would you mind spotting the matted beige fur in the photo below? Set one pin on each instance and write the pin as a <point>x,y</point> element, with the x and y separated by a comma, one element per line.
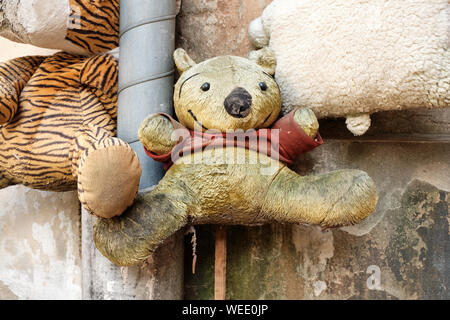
<point>354,57</point>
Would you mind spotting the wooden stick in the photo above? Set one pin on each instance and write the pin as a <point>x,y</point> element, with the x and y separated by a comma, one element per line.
<point>220,265</point>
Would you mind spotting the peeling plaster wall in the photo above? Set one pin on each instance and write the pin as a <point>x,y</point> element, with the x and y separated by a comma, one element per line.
<point>402,251</point>
<point>40,246</point>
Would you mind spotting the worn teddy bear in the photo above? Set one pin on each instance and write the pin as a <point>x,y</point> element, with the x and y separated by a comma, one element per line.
<point>356,57</point>
<point>58,113</point>
<point>218,174</point>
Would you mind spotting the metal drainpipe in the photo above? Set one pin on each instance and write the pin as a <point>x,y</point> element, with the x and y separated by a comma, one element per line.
<point>147,41</point>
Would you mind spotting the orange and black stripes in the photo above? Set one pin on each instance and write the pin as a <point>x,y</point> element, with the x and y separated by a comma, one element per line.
<point>65,95</point>
<point>94,24</point>
<point>14,75</point>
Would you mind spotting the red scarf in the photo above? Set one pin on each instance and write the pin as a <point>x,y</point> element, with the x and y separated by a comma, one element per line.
<point>284,141</point>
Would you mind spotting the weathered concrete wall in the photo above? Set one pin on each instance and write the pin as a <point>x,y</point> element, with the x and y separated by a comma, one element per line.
<point>39,245</point>
<point>40,248</point>
<point>401,252</point>
<point>206,28</point>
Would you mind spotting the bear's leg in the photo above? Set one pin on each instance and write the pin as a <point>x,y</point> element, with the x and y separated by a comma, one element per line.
<point>108,172</point>
<point>338,198</point>
<point>135,235</point>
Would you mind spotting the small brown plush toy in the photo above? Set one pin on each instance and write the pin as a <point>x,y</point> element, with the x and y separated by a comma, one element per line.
<point>217,174</point>
<point>58,113</point>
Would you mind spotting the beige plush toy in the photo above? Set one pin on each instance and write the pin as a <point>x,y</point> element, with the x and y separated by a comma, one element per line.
<point>225,166</point>
<point>356,57</point>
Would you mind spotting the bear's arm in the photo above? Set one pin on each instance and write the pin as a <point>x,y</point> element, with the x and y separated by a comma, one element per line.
<point>159,133</point>
<point>297,133</point>
<point>14,75</point>
<point>306,119</point>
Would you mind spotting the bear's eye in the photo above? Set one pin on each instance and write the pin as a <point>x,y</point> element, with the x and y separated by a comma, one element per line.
<point>263,86</point>
<point>205,86</point>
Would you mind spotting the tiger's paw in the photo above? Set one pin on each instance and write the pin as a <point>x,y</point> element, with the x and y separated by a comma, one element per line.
<point>108,178</point>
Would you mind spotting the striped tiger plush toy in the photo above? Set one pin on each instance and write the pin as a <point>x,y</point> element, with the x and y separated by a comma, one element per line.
<point>58,114</point>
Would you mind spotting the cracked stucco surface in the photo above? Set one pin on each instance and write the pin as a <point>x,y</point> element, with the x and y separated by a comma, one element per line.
<point>39,244</point>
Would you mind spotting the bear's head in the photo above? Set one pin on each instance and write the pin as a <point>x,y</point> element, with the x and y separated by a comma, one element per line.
<point>75,26</point>
<point>227,92</point>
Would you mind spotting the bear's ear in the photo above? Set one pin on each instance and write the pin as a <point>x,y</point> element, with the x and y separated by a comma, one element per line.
<point>265,58</point>
<point>182,60</point>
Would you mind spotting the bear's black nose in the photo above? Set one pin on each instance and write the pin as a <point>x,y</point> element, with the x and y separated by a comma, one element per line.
<point>238,103</point>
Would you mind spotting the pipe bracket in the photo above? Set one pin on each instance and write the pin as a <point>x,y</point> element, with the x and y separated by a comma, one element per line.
<point>145,22</point>
<point>154,77</point>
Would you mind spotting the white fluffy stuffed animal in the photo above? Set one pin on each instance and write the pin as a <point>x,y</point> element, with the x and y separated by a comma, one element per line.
<point>355,57</point>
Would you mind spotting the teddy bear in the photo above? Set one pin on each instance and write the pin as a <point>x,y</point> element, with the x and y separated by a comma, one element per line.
<point>354,58</point>
<point>58,113</point>
<point>227,157</point>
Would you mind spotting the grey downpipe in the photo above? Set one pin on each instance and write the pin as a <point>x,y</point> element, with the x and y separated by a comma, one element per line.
<point>147,41</point>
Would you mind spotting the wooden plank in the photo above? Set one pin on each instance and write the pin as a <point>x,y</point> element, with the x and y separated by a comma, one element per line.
<point>220,267</point>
